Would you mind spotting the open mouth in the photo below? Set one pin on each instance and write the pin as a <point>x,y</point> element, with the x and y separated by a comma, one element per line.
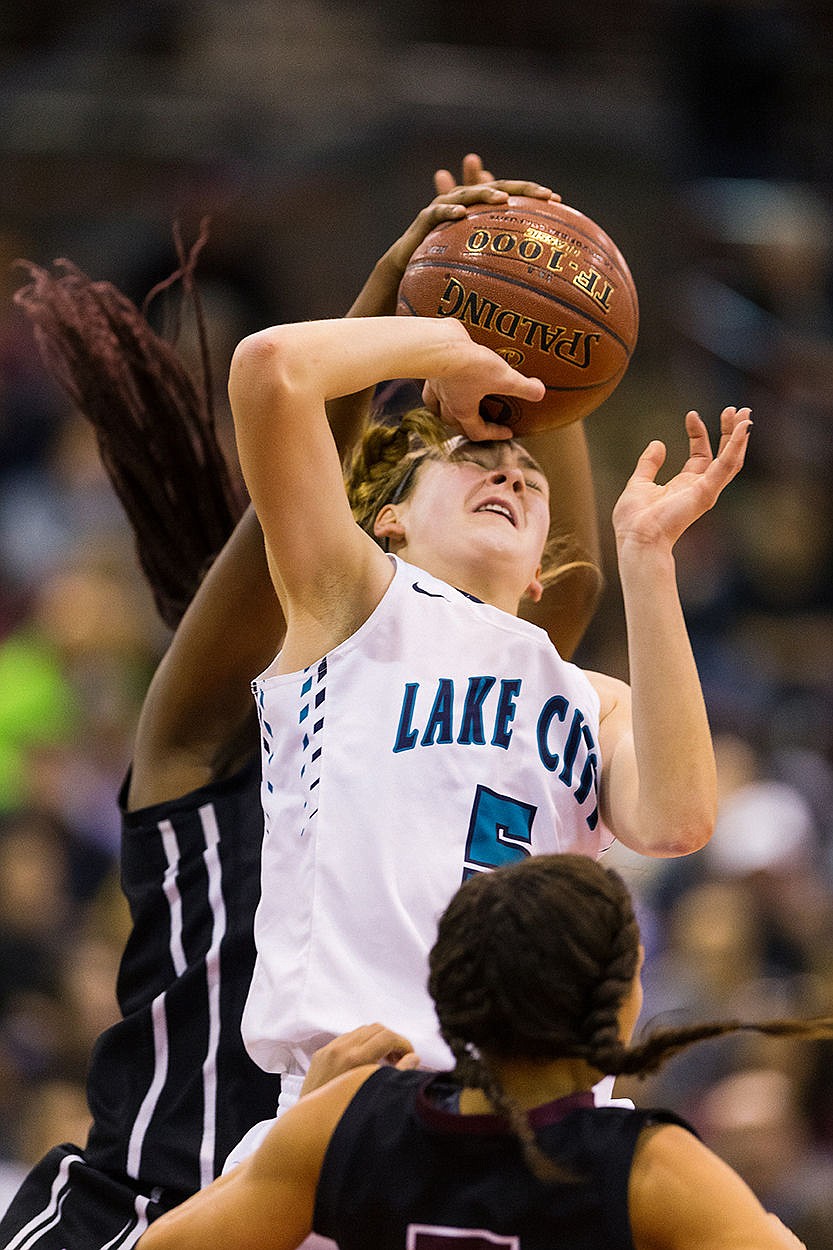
<point>500,509</point>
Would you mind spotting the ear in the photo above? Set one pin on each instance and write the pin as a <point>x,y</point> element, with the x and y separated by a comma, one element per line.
<point>388,524</point>
<point>535,589</point>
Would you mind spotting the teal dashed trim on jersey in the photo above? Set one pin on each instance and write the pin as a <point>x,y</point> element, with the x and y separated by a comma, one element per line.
<point>313,692</point>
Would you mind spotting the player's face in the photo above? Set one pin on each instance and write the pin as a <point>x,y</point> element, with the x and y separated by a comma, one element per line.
<point>491,502</point>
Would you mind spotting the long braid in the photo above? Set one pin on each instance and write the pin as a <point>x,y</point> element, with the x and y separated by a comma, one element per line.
<point>473,1071</point>
<point>533,962</point>
<point>154,425</point>
<point>603,1047</point>
<point>660,1045</point>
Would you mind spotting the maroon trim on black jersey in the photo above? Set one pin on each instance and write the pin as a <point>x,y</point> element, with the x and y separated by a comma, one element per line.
<point>436,1116</point>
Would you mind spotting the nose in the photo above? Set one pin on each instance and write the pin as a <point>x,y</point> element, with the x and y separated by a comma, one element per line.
<point>511,475</point>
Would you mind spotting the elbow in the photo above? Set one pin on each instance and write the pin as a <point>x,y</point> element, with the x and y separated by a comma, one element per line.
<point>674,839</point>
<point>671,837</point>
<point>683,841</point>
<point>265,359</point>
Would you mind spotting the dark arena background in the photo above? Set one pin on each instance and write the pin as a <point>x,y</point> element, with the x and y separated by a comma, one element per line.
<point>698,135</point>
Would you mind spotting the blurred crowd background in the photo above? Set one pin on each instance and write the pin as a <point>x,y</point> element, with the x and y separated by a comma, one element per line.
<point>700,136</point>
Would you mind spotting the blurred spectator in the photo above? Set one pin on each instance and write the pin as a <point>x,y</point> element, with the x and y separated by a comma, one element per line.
<point>754,1121</point>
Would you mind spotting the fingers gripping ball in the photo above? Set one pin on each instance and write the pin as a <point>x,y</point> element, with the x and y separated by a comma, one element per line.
<point>542,285</point>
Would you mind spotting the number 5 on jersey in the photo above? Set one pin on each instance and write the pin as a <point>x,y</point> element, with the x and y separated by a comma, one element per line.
<point>500,831</point>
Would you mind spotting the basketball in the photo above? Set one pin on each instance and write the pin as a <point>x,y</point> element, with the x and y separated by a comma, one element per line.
<point>542,285</point>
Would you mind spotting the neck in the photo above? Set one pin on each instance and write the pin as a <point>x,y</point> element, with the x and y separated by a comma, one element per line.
<point>531,1084</point>
<point>482,583</point>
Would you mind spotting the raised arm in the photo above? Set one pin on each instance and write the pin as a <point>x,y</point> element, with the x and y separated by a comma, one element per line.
<point>197,722</point>
<point>329,574</point>
<point>658,785</point>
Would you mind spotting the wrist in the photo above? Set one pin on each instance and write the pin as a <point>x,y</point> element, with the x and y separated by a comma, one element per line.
<point>638,561</point>
<point>390,268</point>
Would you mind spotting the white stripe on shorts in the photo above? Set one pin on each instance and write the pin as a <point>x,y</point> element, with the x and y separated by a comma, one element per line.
<point>46,1220</point>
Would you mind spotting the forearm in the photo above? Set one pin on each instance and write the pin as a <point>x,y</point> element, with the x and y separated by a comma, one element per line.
<point>572,594</point>
<point>322,360</point>
<point>564,456</point>
<point>675,793</point>
<point>377,298</point>
<point>663,786</point>
<point>197,721</point>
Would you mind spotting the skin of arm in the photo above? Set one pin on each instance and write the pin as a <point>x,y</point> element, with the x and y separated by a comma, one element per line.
<point>568,604</point>
<point>659,792</point>
<point>267,1201</point>
<point>684,1197</point>
<point>197,722</point>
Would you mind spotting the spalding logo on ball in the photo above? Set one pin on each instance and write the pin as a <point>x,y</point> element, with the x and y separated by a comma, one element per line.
<point>542,285</point>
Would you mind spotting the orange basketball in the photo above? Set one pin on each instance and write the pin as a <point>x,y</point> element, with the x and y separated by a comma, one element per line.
<point>542,285</point>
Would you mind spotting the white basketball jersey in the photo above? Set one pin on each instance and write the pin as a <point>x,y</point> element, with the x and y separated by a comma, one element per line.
<point>444,737</point>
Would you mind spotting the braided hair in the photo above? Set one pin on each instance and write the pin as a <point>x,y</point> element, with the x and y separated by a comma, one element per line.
<point>534,961</point>
<point>154,423</point>
<point>385,461</point>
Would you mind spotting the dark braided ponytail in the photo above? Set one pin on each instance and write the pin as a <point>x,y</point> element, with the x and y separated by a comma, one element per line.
<point>534,962</point>
<point>153,422</point>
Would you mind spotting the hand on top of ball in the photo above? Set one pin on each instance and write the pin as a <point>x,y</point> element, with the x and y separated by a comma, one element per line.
<point>452,205</point>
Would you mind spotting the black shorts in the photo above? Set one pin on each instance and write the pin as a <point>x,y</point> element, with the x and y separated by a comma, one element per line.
<point>65,1204</point>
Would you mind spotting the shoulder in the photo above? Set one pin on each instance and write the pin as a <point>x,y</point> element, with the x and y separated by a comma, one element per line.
<point>681,1194</point>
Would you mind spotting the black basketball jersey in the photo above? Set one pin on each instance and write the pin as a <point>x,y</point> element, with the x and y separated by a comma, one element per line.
<point>171,1088</point>
<point>405,1172</point>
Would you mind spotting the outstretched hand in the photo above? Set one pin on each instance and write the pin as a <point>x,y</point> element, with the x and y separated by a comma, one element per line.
<point>370,1043</point>
<point>650,514</point>
<point>476,186</point>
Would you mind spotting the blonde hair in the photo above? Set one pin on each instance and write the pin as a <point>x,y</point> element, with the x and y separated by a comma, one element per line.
<point>383,469</point>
